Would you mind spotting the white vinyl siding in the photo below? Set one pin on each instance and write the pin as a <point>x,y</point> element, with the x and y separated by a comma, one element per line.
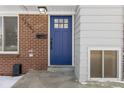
<point>101,11</point>
<point>98,34</point>
<point>102,19</point>
<point>99,26</point>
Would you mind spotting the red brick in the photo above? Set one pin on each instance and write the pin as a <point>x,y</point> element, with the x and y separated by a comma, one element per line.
<point>27,41</point>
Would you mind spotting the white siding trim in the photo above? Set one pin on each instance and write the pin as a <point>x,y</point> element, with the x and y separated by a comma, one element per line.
<point>61,13</point>
<point>73,39</point>
<point>48,40</point>
<point>2,35</point>
<point>102,64</point>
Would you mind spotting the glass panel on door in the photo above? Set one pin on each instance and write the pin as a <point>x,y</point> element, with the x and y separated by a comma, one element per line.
<point>96,64</point>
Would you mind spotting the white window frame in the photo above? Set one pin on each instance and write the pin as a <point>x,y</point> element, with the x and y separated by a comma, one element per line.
<point>119,63</point>
<point>10,52</point>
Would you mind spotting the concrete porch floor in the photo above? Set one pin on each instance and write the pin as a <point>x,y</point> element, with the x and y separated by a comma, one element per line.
<point>39,79</point>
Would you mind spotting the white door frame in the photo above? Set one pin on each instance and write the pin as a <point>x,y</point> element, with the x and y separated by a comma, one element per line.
<point>72,39</point>
<point>119,65</point>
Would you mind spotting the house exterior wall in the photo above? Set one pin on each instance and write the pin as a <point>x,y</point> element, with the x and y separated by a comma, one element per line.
<point>100,26</point>
<point>95,26</point>
<point>28,43</point>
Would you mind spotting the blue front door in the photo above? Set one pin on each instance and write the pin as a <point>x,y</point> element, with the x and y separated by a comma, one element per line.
<point>61,40</point>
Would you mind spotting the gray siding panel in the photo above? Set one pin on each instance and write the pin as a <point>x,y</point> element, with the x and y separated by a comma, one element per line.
<point>97,26</point>
<point>101,41</point>
<point>101,11</point>
<point>101,26</point>
<point>101,34</point>
<point>102,19</point>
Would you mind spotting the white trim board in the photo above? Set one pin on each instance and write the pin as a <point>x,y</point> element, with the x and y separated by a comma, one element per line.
<point>72,38</point>
<point>37,12</point>
<point>119,69</point>
<point>61,13</point>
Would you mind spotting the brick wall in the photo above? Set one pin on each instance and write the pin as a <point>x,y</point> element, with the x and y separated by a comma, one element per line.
<point>29,26</point>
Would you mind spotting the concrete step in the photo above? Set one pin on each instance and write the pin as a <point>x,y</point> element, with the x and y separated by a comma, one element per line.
<point>60,69</point>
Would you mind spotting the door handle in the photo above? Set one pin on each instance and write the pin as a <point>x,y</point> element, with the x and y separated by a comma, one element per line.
<point>51,43</point>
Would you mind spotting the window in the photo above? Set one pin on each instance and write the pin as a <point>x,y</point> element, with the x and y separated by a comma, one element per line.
<point>8,34</point>
<point>110,64</point>
<point>61,23</point>
<point>103,63</point>
<point>96,64</point>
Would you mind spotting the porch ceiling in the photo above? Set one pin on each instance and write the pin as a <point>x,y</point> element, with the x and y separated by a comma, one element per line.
<point>14,9</point>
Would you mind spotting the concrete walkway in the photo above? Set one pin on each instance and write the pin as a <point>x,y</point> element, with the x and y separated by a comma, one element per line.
<point>38,79</point>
